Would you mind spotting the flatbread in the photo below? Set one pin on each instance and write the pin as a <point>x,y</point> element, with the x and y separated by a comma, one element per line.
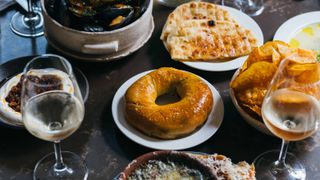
<point>201,31</point>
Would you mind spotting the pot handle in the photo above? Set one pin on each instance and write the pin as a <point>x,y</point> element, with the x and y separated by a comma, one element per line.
<point>103,48</point>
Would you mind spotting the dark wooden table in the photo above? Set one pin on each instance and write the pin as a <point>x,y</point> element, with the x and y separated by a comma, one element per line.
<point>105,149</point>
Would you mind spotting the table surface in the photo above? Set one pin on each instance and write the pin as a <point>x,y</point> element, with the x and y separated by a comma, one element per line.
<point>99,142</point>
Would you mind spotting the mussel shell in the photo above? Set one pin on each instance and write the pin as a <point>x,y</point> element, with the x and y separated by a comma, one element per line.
<point>80,8</point>
<point>93,28</point>
<point>142,5</point>
<point>123,23</point>
<point>110,13</point>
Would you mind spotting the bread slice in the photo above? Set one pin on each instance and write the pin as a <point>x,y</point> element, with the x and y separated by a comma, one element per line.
<point>201,31</point>
<point>224,169</point>
<point>197,41</point>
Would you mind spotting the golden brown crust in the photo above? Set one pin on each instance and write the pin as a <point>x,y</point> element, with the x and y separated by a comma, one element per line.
<point>201,31</point>
<point>171,120</point>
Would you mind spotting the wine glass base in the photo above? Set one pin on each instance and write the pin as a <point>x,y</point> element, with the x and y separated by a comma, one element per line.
<point>253,12</point>
<point>21,27</point>
<point>231,3</point>
<point>75,168</point>
<point>254,9</point>
<point>265,167</point>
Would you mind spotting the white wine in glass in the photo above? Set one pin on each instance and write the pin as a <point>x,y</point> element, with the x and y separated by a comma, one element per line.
<point>53,116</point>
<point>291,115</point>
<point>52,110</point>
<point>291,111</point>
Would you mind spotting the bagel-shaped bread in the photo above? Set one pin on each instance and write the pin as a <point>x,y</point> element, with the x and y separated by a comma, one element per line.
<point>171,120</point>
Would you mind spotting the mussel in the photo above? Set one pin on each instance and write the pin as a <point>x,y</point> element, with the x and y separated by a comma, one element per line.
<point>120,15</point>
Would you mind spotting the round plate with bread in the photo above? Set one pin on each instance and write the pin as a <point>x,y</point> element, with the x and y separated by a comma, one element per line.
<point>210,37</point>
<point>201,134</point>
<point>245,21</point>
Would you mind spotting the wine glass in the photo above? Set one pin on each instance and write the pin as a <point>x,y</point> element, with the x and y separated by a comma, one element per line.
<point>291,111</point>
<point>250,7</point>
<point>52,110</point>
<point>29,24</point>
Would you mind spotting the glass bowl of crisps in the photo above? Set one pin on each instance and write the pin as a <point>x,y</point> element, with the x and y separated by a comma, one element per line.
<point>248,115</point>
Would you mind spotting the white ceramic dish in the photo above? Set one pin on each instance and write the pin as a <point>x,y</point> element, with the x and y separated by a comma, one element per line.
<point>98,46</point>
<point>258,124</point>
<point>103,57</point>
<point>204,133</point>
<point>289,28</point>
<point>245,21</point>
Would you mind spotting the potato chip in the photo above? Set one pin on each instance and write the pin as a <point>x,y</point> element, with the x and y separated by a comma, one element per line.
<point>268,47</point>
<point>291,102</point>
<point>253,110</point>
<point>302,56</point>
<point>297,54</point>
<point>304,77</point>
<point>255,56</point>
<point>276,57</point>
<point>259,74</point>
<point>296,69</point>
<point>269,52</point>
<point>252,98</point>
<point>251,85</point>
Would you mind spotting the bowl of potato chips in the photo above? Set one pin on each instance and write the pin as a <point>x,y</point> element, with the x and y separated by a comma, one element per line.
<point>250,83</point>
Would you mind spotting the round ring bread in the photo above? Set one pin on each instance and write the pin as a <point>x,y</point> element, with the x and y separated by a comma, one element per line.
<point>171,120</point>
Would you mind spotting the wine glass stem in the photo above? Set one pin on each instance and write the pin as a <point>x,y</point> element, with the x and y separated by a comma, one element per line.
<point>250,3</point>
<point>59,165</point>
<point>283,152</point>
<point>280,164</point>
<point>30,11</point>
<point>30,17</point>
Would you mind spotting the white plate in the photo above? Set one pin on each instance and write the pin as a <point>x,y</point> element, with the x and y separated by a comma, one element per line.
<point>204,133</point>
<point>288,29</point>
<point>245,21</point>
<point>258,124</point>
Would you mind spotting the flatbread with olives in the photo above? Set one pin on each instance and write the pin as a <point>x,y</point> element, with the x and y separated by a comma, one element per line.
<point>201,31</point>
